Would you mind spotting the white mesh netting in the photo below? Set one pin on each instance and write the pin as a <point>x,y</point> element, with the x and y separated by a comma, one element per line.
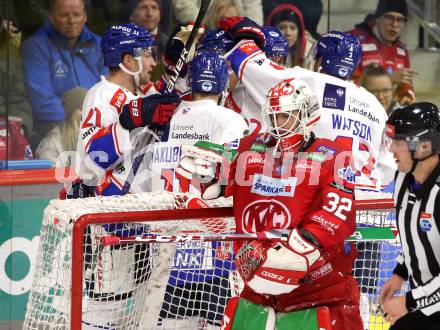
<point>161,286</point>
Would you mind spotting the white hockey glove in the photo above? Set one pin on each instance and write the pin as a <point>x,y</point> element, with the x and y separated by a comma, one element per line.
<point>277,268</point>
<point>203,162</point>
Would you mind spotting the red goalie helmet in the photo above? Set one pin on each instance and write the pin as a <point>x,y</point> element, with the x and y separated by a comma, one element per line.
<point>291,111</point>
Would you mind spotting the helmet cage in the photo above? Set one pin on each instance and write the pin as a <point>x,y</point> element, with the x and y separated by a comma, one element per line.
<point>272,109</point>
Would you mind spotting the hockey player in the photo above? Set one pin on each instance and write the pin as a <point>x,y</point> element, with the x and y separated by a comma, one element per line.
<point>240,99</point>
<point>298,191</point>
<point>117,112</point>
<point>350,114</point>
<point>203,118</point>
<point>200,119</point>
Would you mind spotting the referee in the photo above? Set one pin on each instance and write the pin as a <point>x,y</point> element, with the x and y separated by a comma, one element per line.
<point>415,134</point>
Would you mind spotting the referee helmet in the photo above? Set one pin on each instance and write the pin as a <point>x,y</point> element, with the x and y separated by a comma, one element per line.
<point>415,123</point>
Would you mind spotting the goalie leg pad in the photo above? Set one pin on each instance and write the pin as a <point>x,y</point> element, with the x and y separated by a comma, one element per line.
<point>307,319</point>
<point>241,314</point>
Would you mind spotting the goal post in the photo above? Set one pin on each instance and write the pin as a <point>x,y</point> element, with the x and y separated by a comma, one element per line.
<point>79,281</point>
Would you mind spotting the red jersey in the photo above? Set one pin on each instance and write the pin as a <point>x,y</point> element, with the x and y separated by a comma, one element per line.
<point>299,189</point>
<point>390,57</point>
<point>303,189</point>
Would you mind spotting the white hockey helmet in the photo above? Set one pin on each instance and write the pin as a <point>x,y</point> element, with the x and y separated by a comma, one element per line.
<point>299,106</point>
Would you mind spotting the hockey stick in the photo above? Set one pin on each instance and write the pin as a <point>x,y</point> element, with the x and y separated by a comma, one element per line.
<point>170,87</point>
<point>361,234</point>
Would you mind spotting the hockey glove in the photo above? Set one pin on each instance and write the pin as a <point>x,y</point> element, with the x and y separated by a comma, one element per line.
<point>277,268</point>
<point>202,163</point>
<point>241,28</point>
<point>175,46</point>
<point>155,109</point>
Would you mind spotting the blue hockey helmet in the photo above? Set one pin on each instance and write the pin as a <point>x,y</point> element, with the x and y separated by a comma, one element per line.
<point>276,47</point>
<point>218,40</point>
<point>340,53</point>
<point>208,73</point>
<point>125,39</point>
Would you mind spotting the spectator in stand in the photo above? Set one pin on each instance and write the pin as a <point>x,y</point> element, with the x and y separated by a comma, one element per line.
<point>12,81</point>
<point>377,81</point>
<point>61,55</point>
<point>379,35</point>
<point>310,9</point>
<point>186,10</point>
<point>65,136</point>
<point>289,20</point>
<point>221,9</point>
<point>16,121</point>
<point>147,14</point>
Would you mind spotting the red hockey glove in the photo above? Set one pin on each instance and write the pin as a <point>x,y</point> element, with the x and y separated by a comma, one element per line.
<point>155,109</point>
<point>277,268</point>
<point>241,28</point>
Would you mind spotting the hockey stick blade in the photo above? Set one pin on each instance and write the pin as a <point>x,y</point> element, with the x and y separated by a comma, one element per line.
<point>184,54</point>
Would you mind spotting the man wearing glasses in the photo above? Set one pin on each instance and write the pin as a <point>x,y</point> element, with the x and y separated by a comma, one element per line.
<point>379,35</point>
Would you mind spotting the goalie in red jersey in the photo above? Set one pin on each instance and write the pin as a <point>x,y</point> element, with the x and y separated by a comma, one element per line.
<point>297,184</point>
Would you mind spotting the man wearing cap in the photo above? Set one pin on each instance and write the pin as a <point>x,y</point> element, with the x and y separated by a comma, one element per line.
<point>379,35</point>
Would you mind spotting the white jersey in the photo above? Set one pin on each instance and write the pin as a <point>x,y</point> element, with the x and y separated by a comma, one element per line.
<point>193,121</point>
<point>241,102</point>
<point>106,149</point>
<point>349,113</point>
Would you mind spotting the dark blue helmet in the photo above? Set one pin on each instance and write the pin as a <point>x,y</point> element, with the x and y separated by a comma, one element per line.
<point>218,40</point>
<point>208,73</point>
<point>340,53</point>
<point>125,39</point>
<point>276,47</point>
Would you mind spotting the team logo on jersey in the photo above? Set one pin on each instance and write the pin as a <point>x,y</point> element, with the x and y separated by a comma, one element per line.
<point>265,215</point>
<point>425,221</point>
<point>334,97</point>
<point>267,186</point>
<point>60,69</point>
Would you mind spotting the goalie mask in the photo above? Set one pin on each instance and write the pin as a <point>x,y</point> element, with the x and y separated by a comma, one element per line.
<point>291,111</point>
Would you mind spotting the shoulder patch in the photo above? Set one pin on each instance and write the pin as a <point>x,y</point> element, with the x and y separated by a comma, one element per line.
<point>334,97</point>
<point>118,99</point>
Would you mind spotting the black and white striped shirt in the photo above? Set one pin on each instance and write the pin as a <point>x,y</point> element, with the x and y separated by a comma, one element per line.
<point>418,221</point>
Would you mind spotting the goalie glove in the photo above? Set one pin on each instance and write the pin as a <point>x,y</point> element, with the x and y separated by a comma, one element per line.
<point>277,268</point>
<point>202,162</point>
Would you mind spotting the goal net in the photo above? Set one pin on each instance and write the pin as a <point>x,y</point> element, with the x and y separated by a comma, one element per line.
<point>87,278</point>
